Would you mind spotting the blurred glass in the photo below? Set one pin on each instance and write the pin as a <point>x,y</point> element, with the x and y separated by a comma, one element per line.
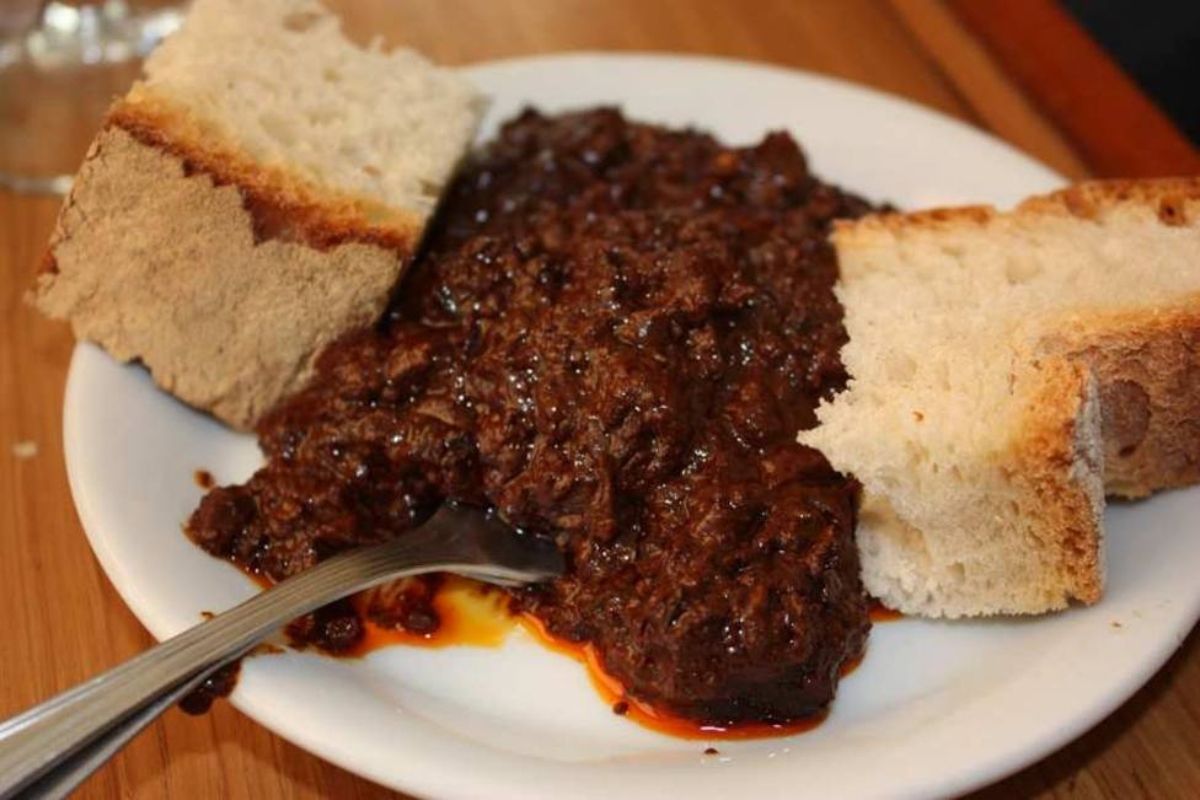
<point>61,64</point>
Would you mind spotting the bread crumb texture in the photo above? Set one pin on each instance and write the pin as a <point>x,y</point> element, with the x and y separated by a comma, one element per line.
<point>1009,368</point>
<point>278,82</point>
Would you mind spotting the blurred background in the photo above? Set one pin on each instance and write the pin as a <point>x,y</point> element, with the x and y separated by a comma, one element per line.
<point>1112,80</point>
<point>61,63</point>
<point>1157,43</point>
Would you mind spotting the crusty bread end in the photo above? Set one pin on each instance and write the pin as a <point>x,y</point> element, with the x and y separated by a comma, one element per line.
<point>1148,365</point>
<point>255,196</point>
<point>951,313</point>
<point>163,266</point>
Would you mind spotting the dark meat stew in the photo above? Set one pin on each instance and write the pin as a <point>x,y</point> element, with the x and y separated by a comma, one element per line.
<point>612,336</point>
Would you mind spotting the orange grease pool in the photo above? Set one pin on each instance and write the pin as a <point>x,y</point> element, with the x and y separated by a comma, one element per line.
<point>475,615</point>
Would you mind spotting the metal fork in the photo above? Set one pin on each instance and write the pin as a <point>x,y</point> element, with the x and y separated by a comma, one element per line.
<point>49,749</point>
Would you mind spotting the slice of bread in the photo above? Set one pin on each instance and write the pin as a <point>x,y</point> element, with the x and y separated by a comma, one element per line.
<point>255,195</point>
<point>1007,369</point>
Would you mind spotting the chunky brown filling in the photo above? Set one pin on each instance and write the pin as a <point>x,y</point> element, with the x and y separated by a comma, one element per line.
<point>613,335</point>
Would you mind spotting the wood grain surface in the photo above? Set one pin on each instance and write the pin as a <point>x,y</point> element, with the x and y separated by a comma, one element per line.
<point>63,622</point>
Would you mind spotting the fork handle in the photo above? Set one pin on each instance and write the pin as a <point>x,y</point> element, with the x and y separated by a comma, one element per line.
<point>51,734</point>
<point>63,777</point>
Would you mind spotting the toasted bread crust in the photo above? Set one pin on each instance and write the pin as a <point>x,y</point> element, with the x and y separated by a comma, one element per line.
<point>157,260</point>
<point>1176,201</point>
<point>1148,365</point>
<point>282,204</point>
<point>1060,467</point>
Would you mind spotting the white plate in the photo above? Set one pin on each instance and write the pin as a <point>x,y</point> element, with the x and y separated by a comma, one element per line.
<point>936,708</point>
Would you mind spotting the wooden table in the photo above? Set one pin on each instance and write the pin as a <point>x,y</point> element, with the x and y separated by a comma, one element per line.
<point>1024,73</point>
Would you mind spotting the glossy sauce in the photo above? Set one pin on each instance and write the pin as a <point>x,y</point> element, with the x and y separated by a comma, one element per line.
<point>659,720</point>
<point>472,614</point>
<point>469,613</point>
<point>475,615</point>
<point>217,685</point>
<point>881,613</point>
